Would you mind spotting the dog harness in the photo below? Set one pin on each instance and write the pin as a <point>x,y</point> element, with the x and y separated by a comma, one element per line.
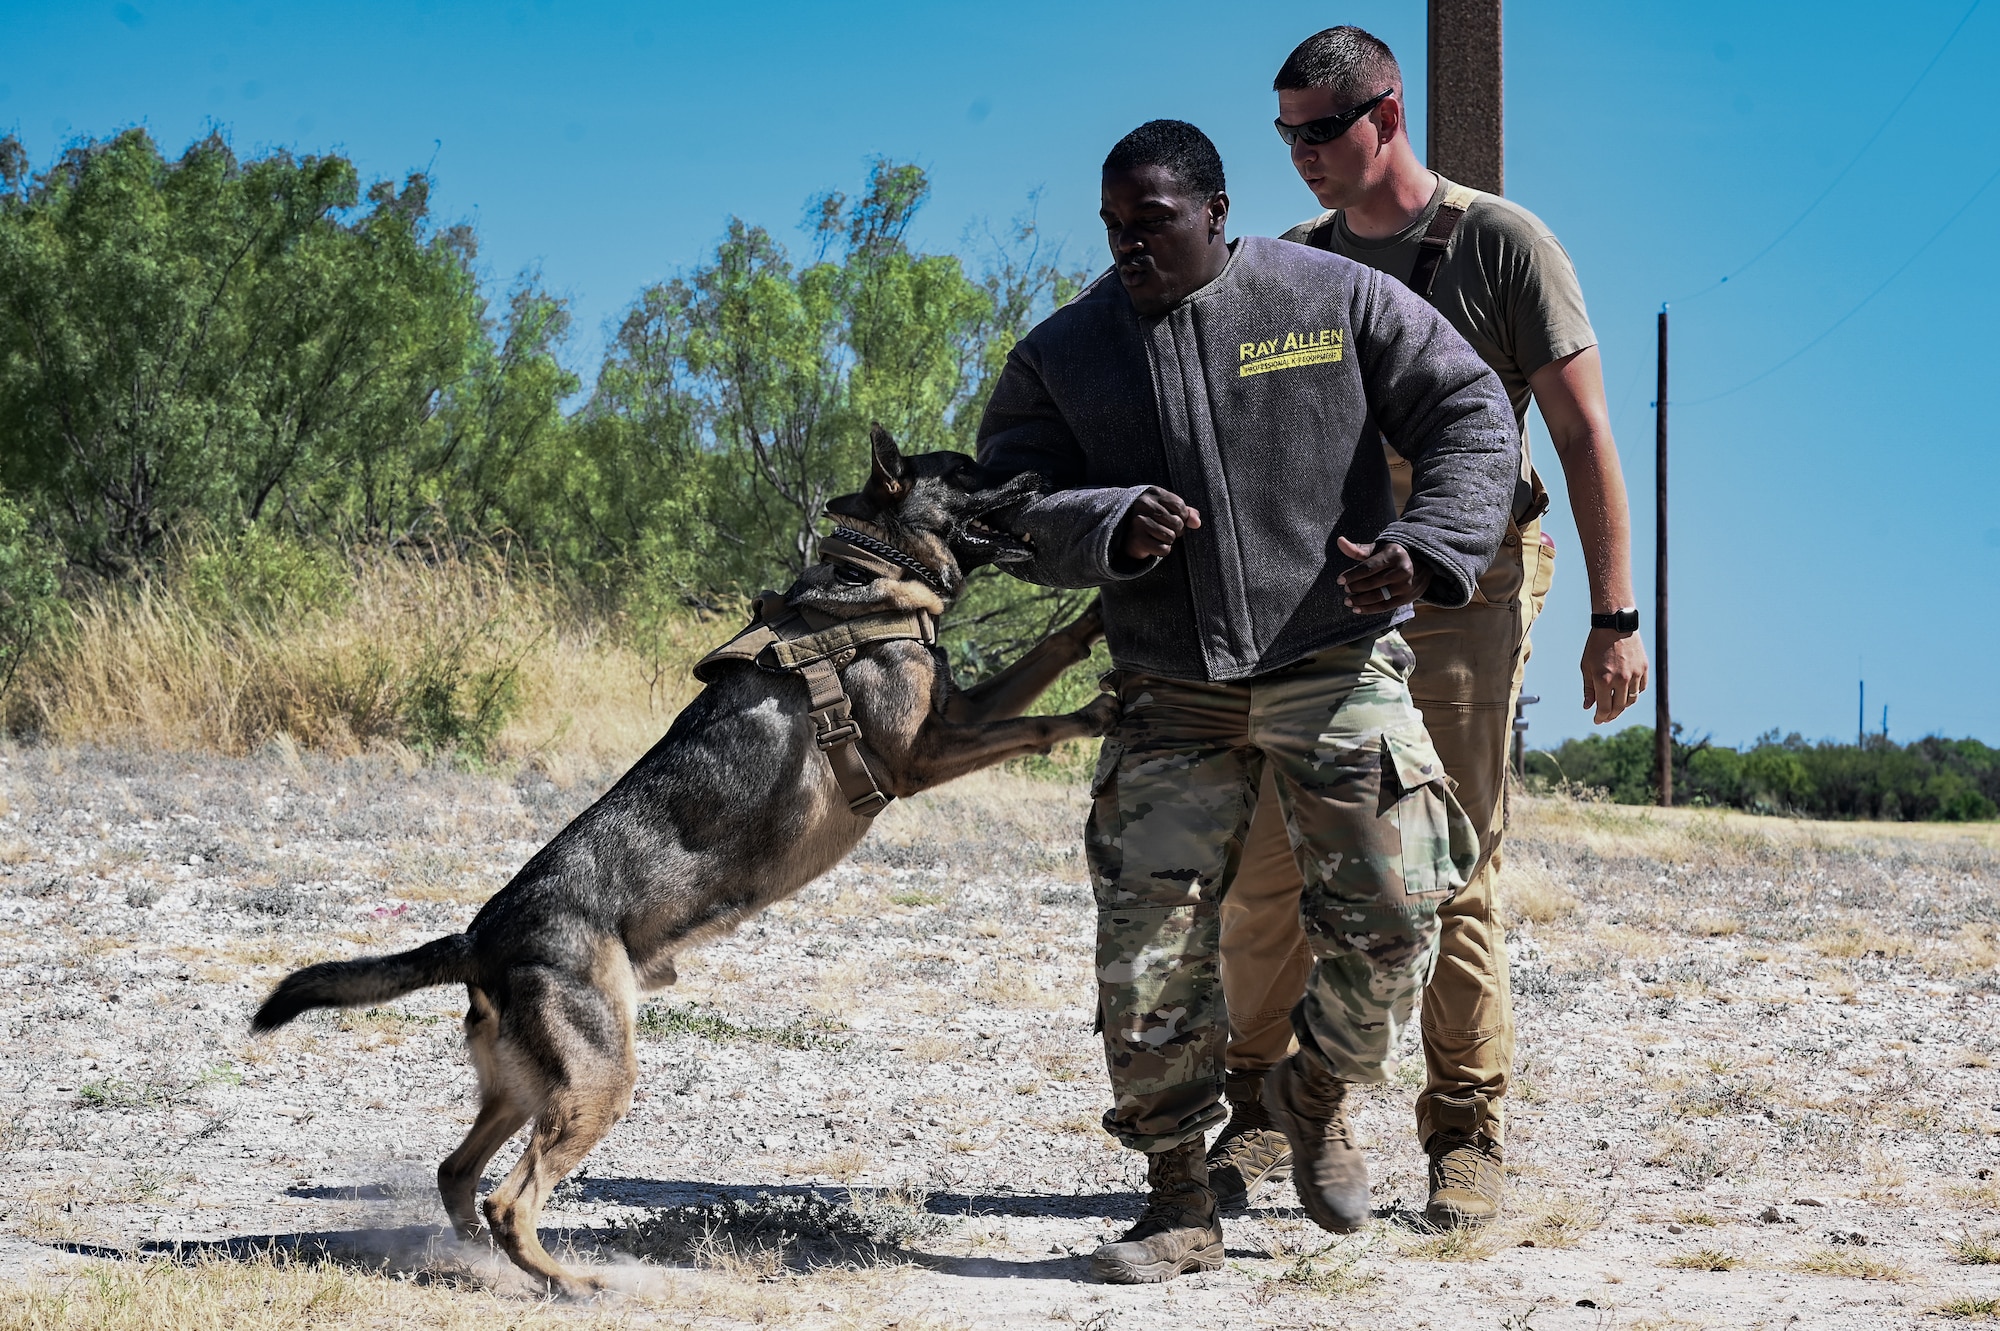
<point>817,647</point>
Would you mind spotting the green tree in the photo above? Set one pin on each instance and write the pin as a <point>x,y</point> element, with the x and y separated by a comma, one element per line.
<point>27,590</point>
<point>211,340</point>
<point>735,401</point>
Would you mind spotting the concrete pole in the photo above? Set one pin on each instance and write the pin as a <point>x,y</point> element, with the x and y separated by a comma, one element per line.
<point>1466,127</point>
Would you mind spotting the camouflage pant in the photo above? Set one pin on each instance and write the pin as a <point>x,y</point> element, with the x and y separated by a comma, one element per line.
<point>1379,837</point>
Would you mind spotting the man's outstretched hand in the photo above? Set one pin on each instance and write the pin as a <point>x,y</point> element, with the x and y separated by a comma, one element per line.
<point>1155,521</point>
<point>1386,578</point>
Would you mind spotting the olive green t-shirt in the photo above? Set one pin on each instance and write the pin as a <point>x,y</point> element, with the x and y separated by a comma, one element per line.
<point>1506,284</point>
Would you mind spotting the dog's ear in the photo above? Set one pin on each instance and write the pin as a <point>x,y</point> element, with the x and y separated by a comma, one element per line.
<point>889,476</point>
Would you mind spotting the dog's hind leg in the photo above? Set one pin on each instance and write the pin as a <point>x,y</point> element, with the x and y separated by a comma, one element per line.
<point>582,1037</point>
<point>458,1176</point>
<point>500,1117</point>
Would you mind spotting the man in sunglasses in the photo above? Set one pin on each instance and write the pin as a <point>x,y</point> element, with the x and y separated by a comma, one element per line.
<point>1504,282</point>
<point>1209,414</point>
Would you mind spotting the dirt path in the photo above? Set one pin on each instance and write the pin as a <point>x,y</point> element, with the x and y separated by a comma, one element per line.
<point>1746,1044</point>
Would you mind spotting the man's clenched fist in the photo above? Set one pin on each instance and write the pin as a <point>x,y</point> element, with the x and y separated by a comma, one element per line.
<point>1386,578</point>
<point>1155,521</point>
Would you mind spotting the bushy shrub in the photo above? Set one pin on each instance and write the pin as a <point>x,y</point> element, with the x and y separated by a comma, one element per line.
<point>1930,779</point>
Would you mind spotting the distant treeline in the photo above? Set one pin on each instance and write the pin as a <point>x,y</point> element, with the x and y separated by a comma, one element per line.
<point>209,346</point>
<point>1948,780</point>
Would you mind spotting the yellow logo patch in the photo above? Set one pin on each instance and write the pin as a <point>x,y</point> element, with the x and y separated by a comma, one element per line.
<point>1319,346</point>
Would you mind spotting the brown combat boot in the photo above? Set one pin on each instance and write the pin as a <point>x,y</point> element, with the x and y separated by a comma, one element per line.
<point>1178,1231</point>
<point>1309,1104</point>
<point>1466,1168</point>
<point>1251,1150</point>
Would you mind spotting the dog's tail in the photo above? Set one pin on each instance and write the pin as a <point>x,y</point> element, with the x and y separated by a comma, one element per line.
<point>445,960</point>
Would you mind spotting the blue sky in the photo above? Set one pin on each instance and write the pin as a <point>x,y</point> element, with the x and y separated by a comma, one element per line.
<point>1842,511</point>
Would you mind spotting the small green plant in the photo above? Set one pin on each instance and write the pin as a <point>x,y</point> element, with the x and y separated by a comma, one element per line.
<point>1703,1259</point>
<point>767,1233</point>
<point>117,1093</point>
<point>660,1023</point>
<point>916,898</point>
<point>1848,1262</point>
<point>1976,1249</point>
<point>1328,1272</point>
<point>1968,1306</point>
<point>113,1093</point>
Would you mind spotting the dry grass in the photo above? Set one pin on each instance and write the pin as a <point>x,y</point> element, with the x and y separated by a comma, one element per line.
<point>1830,1261</point>
<point>1722,838</point>
<point>1561,1222</point>
<point>1704,1259</point>
<point>405,649</point>
<point>1452,1245</point>
<point>265,1294</point>
<point>1527,890</point>
<point>842,1166</point>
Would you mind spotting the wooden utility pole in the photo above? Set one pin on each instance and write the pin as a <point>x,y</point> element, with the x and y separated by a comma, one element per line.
<point>1663,716</point>
<point>1466,129</point>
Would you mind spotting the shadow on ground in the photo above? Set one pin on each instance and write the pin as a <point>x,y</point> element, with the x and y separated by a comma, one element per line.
<point>687,1223</point>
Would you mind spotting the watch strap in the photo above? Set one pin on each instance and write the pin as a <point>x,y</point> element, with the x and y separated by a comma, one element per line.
<point>1624,621</point>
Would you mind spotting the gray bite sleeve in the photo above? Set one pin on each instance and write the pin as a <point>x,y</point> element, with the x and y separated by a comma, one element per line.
<point>1072,531</point>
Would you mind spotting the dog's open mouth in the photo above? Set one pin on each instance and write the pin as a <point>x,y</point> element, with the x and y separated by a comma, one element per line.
<point>991,542</point>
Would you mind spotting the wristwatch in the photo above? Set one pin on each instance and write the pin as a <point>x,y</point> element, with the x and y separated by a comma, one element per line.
<point>1625,621</point>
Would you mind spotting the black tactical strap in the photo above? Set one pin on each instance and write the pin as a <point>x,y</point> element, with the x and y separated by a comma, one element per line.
<point>837,735</point>
<point>1431,249</point>
<point>816,648</point>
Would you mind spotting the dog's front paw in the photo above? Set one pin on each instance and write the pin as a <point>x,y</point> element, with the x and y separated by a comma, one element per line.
<point>1101,715</point>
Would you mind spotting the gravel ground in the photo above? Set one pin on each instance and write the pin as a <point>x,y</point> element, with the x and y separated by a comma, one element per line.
<point>1756,1083</point>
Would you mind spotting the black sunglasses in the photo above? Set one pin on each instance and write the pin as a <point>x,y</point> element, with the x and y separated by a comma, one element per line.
<point>1328,128</point>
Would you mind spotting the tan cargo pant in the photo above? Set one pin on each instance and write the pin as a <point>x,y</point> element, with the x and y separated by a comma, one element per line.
<point>1467,676</point>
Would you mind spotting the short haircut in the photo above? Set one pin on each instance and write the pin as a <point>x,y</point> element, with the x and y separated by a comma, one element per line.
<point>1184,151</point>
<point>1354,64</point>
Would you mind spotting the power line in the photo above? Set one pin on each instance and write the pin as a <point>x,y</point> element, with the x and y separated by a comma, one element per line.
<point>1852,162</point>
<point>1963,209</point>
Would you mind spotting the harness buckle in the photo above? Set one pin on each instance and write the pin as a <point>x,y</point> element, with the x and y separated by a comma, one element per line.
<point>869,805</point>
<point>836,736</point>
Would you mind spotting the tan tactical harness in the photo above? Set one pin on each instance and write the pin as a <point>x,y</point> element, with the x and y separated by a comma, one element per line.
<point>817,647</point>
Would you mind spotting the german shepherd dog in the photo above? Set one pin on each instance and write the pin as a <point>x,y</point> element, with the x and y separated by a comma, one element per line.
<point>733,810</point>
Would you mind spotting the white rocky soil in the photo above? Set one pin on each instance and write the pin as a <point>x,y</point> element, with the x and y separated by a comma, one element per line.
<point>1756,1083</point>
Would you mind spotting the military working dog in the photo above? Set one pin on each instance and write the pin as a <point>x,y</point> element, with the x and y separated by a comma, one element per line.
<point>736,808</point>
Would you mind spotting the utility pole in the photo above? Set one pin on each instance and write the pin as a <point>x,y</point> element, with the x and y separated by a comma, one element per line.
<point>1465,126</point>
<point>1663,716</point>
<point>1521,702</point>
<point>1861,719</point>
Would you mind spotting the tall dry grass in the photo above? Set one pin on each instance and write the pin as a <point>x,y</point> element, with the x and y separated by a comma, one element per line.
<point>438,652</point>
